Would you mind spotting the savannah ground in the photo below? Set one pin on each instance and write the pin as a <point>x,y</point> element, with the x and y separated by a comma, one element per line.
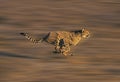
<point>95,60</point>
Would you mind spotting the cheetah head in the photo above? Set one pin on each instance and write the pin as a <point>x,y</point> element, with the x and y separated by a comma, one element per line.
<point>85,33</point>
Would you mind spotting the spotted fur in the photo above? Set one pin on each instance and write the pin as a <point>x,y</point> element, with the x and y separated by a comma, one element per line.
<point>62,40</point>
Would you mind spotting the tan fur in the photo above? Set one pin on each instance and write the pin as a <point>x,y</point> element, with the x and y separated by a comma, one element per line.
<point>62,40</point>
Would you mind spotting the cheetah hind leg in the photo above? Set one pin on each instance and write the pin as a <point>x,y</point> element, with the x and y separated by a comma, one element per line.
<point>57,46</point>
<point>57,49</point>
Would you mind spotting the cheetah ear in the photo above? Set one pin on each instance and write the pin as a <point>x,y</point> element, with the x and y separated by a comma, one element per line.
<point>83,29</point>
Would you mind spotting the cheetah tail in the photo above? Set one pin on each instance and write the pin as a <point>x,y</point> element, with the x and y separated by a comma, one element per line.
<point>30,38</point>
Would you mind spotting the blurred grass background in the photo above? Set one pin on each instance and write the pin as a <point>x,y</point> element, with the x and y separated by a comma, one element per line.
<point>96,60</point>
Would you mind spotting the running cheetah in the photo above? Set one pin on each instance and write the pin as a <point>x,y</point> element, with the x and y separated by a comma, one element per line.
<point>62,40</point>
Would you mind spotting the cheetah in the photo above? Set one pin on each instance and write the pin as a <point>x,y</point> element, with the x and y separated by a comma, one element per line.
<point>62,40</point>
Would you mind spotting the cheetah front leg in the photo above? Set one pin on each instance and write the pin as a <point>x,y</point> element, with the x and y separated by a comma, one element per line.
<point>62,47</point>
<point>65,50</point>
